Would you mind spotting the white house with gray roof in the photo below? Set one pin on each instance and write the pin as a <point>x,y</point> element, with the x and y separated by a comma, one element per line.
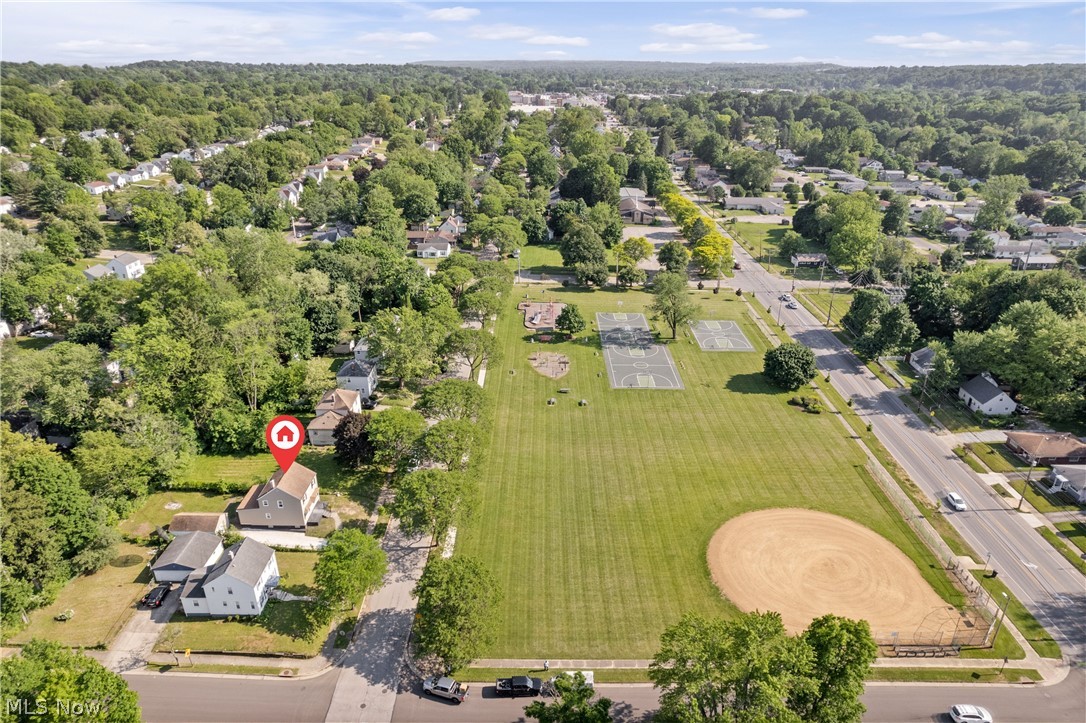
<point>237,584</point>
<point>126,266</point>
<point>359,375</point>
<point>186,554</point>
<point>982,395</point>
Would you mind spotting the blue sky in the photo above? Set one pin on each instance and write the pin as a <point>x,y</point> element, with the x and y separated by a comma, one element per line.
<point>918,32</point>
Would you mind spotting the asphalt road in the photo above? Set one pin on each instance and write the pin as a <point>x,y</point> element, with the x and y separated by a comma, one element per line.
<point>1053,590</point>
<point>178,698</point>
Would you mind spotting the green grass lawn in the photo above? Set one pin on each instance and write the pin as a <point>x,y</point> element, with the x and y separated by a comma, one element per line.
<point>154,512</point>
<point>1075,532</point>
<point>102,602</point>
<point>595,520</point>
<point>764,238</point>
<point>539,259</point>
<point>818,303</point>
<point>248,469</point>
<point>280,630</point>
<point>1031,630</point>
<point>953,675</point>
<point>998,458</point>
<point>1064,548</point>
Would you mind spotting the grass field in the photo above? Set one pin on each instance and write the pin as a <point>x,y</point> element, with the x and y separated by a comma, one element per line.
<point>154,513</point>
<point>998,458</point>
<point>764,238</point>
<point>1075,533</point>
<point>818,303</point>
<point>596,556</point>
<point>102,602</point>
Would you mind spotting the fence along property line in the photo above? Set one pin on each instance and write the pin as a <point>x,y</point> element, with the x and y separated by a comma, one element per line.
<point>977,630</point>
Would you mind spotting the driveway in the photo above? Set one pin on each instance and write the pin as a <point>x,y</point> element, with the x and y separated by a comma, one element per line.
<point>283,538</point>
<point>135,642</point>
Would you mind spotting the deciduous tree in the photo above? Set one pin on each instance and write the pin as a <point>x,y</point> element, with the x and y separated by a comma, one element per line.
<point>350,566</point>
<point>671,301</point>
<point>790,365</point>
<point>456,617</point>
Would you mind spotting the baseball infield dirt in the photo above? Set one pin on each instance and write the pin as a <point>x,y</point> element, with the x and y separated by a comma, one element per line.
<point>806,564</point>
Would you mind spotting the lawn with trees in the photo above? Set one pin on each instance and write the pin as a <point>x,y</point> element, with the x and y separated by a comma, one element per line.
<point>618,500</point>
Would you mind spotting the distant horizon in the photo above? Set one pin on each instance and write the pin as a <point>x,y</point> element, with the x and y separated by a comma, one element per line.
<point>919,33</point>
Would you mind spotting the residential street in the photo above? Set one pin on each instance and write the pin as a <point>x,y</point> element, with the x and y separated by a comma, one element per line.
<point>1038,575</point>
<point>179,698</point>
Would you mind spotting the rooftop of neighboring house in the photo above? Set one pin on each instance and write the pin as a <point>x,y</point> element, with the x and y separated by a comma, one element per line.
<point>356,368</point>
<point>188,551</point>
<point>245,561</point>
<point>982,388</point>
<point>1040,444</point>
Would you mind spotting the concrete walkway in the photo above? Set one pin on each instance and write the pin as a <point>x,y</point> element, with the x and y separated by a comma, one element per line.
<point>370,672</point>
<point>282,538</point>
<point>997,436</point>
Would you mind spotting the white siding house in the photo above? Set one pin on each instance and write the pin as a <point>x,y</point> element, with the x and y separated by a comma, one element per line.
<point>126,266</point>
<point>982,394</point>
<point>238,584</point>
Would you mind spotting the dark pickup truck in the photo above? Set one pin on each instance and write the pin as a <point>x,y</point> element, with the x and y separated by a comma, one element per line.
<point>518,686</point>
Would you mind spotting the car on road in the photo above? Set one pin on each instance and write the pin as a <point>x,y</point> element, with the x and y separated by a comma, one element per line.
<point>784,297</point>
<point>156,597</point>
<point>369,403</point>
<point>956,502</point>
<point>444,687</point>
<point>964,713</point>
<point>42,334</point>
<point>792,305</point>
<point>517,686</point>
<point>737,265</point>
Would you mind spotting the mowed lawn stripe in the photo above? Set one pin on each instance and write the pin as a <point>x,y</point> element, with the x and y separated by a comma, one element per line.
<point>596,519</point>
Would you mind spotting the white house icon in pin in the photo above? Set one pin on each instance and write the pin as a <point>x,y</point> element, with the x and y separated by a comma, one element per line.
<point>285,434</point>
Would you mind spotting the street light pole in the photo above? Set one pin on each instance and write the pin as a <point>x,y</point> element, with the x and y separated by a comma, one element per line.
<point>1029,476</point>
<point>986,561</point>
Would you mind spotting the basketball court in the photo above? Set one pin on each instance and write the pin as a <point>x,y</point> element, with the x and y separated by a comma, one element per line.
<point>720,336</point>
<point>633,360</point>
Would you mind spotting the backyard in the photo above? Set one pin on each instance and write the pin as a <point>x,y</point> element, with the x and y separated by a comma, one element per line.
<point>101,602</point>
<point>612,548</point>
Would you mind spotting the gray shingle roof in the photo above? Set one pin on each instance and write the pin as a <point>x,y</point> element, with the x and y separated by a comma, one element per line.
<point>355,368</point>
<point>981,389</point>
<point>192,551</point>
<point>244,561</point>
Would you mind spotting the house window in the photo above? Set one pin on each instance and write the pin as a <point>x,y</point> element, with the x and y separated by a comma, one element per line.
<point>267,515</point>
<point>239,605</point>
<point>264,502</point>
<point>196,603</point>
<point>229,591</point>
<point>279,504</point>
<point>224,603</point>
<point>252,605</point>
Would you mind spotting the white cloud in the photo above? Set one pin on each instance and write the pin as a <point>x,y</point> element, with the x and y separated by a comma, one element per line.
<point>701,37</point>
<point>939,44</point>
<point>500,31</point>
<point>389,37</point>
<point>455,14</point>
<point>777,13</point>
<point>523,33</point>
<point>544,54</point>
<point>557,40</point>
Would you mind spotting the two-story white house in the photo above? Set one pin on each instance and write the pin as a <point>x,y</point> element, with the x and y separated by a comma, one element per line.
<point>285,500</point>
<point>359,375</point>
<point>237,584</point>
<point>126,266</point>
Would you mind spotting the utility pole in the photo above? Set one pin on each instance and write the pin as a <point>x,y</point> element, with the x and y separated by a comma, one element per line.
<point>830,312</point>
<point>821,273</point>
<point>1029,475</point>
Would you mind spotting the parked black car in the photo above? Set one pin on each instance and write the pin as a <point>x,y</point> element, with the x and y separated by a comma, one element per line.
<point>156,597</point>
<point>518,686</point>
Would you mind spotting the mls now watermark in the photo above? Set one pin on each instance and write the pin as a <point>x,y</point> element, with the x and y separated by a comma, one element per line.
<point>58,707</point>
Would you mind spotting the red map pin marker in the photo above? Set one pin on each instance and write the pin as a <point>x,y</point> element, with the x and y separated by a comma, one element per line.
<point>285,437</point>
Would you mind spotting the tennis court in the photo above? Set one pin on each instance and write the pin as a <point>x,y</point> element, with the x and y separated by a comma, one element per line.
<point>633,360</point>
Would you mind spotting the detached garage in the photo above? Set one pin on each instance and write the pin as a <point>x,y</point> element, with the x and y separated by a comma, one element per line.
<point>185,554</point>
